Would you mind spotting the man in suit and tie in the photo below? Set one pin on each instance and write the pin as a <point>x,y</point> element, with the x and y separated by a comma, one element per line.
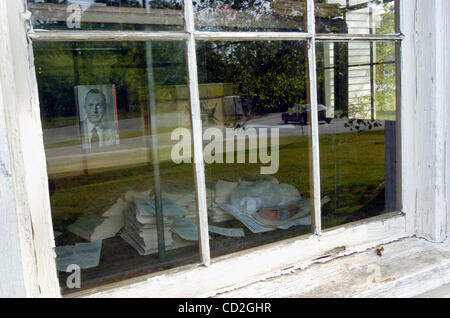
<point>97,130</point>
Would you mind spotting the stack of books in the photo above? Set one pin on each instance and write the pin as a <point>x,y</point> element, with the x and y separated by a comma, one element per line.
<point>141,233</point>
<point>140,229</point>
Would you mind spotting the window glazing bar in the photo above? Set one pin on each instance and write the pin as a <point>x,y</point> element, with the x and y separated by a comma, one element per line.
<point>398,125</point>
<point>251,36</point>
<point>398,108</point>
<point>41,35</point>
<point>155,154</point>
<point>315,156</point>
<point>358,37</point>
<point>397,17</point>
<point>197,136</point>
<point>55,36</point>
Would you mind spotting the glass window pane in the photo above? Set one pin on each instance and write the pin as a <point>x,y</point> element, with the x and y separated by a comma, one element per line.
<point>256,142</point>
<point>110,15</point>
<point>250,15</point>
<point>357,86</point>
<point>355,16</point>
<point>108,111</point>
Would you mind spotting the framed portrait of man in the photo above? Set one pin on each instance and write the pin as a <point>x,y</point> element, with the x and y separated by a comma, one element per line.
<point>97,112</point>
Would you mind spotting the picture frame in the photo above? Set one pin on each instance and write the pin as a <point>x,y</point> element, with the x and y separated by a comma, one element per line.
<point>97,116</point>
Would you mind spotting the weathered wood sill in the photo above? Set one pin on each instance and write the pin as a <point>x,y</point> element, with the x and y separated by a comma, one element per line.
<point>407,268</point>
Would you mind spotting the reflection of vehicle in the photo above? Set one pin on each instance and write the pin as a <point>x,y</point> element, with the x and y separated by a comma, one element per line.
<point>300,114</point>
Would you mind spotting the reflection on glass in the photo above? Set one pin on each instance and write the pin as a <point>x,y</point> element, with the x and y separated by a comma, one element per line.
<point>250,15</point>
<point>256,152</point>
<point>357,86</point>
<point>114,15</point>
<point>120,205</point>
<point>355,16</point>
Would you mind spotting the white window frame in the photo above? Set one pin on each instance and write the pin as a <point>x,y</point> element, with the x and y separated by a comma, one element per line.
<point>423,211</point>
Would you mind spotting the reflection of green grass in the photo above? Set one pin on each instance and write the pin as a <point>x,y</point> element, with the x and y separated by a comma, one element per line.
<point>352,168</point>
<point>97,191</point>
<point>386,115</point>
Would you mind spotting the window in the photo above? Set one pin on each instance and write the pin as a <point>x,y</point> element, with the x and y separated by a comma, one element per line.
<point>357,153</point>
<point>176,132</point>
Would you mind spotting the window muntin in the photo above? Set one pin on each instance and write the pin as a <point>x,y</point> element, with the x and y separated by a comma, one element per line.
<point>192,62</point>
<point>107,15</point>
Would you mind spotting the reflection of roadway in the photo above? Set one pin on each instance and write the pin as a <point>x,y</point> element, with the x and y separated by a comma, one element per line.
<point>135,150</point>
<point>295,129</point>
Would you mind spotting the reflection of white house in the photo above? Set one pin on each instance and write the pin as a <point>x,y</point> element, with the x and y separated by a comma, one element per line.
<point>361,19</point>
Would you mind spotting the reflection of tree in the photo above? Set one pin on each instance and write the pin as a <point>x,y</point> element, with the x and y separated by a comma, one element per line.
<point>271,75</point>
<point>165,4</point>
<point>250,15</point>
<point>61,66</point>
<point>259,6</point>
<point>360,106</point>
<point>121,3</point>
